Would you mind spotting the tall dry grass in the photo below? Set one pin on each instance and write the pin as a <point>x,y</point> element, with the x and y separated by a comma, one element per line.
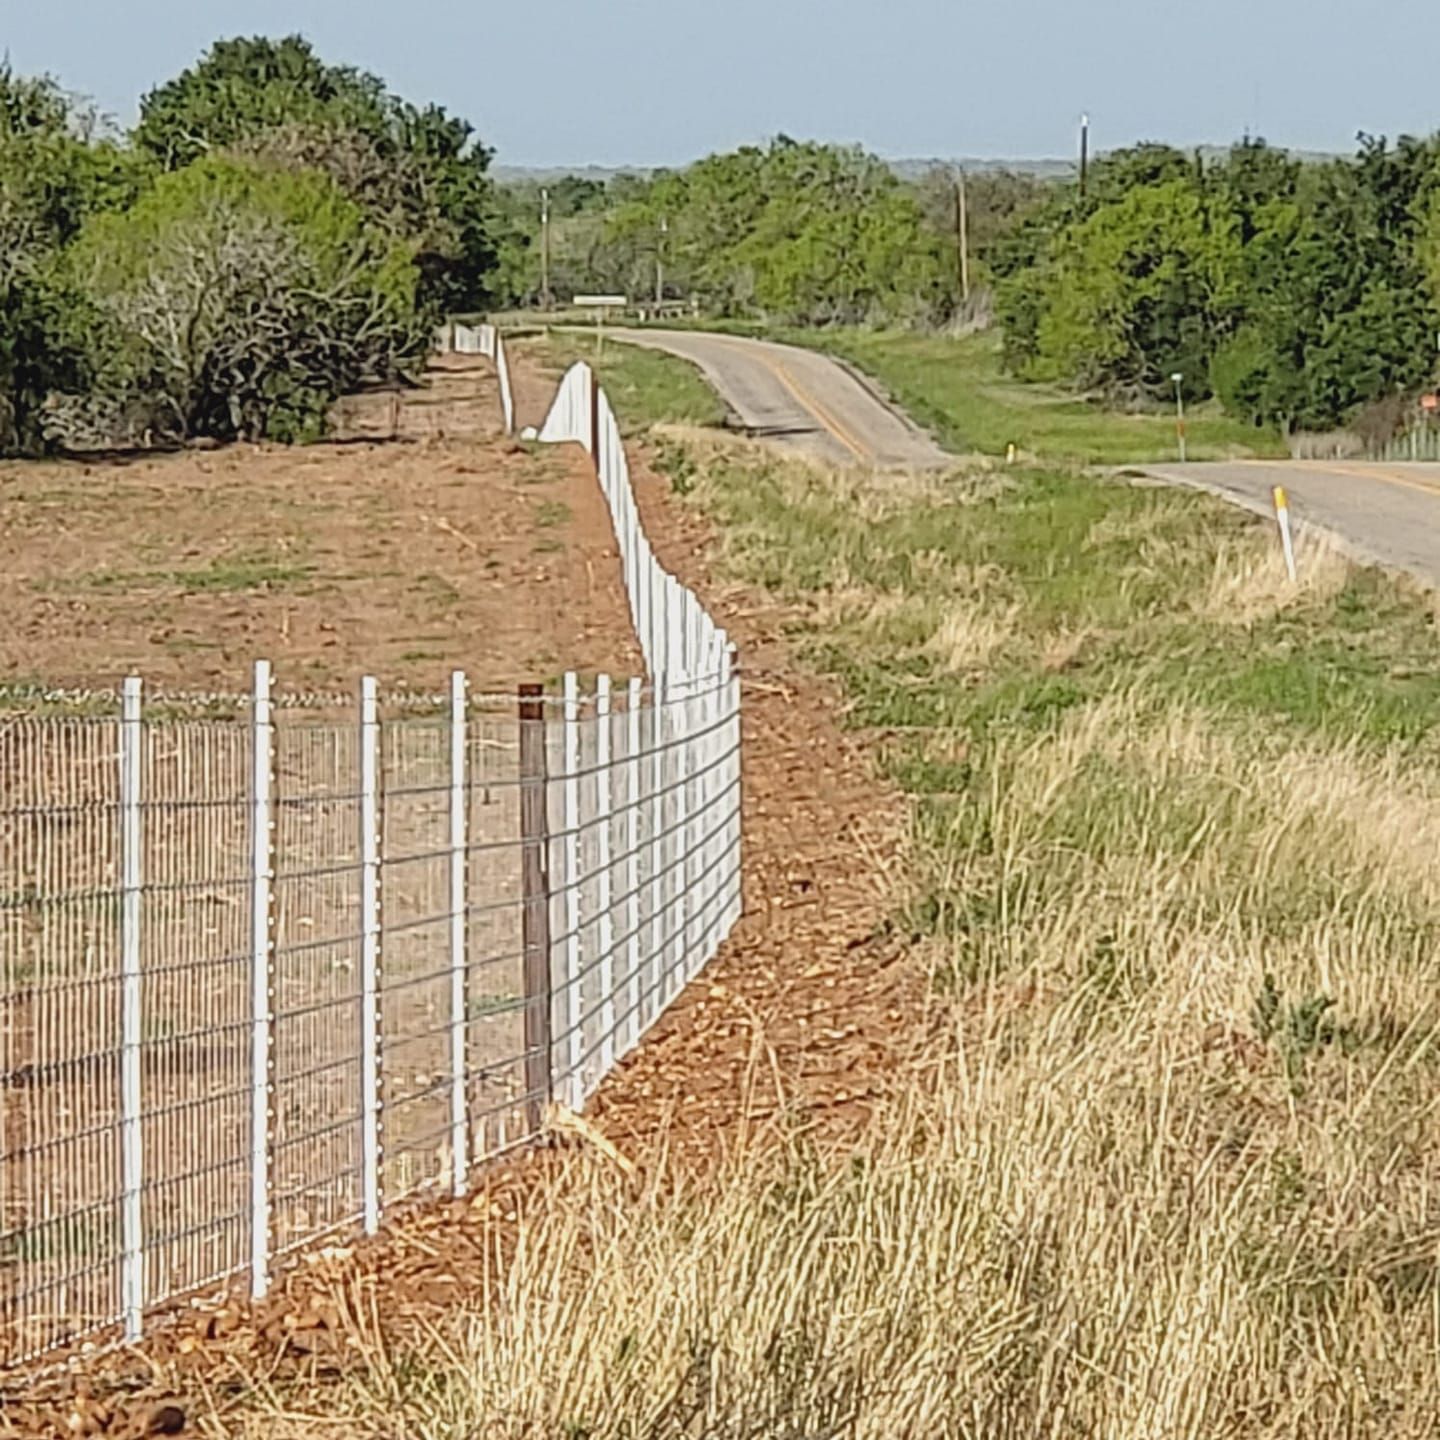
<point>1126,1196</point>
<point>1170,1165</point>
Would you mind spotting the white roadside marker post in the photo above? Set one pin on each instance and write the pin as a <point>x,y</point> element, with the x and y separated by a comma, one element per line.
<point>1287,541</point>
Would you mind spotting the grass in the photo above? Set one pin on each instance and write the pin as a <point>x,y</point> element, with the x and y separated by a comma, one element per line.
<point>227,575</point>
<point>1171,1168</point>
<point>646,387</point>
<point>957,389</point>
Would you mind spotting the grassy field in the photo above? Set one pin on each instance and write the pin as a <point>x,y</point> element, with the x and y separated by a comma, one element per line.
<point>1173,867</point>
<point>957,389</point>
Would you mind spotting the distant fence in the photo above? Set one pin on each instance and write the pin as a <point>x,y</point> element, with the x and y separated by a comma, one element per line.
<point>483,340</point>
<point>1421,443</point>
<point>270,966</point>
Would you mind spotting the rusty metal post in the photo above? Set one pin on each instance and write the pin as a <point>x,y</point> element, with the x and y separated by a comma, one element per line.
<point>535,869</point>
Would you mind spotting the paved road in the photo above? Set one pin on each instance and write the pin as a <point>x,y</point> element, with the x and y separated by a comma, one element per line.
<point>1389,513</point>
<point>799,398</point>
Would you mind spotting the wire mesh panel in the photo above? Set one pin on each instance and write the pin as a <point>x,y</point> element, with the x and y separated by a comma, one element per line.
<point>415,987</point>
<point>60,1184</point>
<point>195,1003</point>
<point>495,948</point>
<point>316,1117</point>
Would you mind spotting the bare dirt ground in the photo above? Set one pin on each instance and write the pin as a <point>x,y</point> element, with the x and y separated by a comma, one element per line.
<point>812,1006</point>
<point>446,547</point>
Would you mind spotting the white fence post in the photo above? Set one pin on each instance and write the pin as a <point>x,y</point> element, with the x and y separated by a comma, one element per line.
<point>370,951</point>
<point>131,999</point>
<point>459,917</point>
<point>574,950</point>
<point>262,951</point>
<point>655,806</point>
<point>633,789</point>
<point>507,393</point>
<point>605,907</point>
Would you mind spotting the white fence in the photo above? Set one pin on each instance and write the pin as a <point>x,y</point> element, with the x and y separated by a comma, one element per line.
<point>270,967</point>
<point>484,340</point>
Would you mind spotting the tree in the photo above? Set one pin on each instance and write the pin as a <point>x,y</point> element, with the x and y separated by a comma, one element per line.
<point>235,301</point>
<point>1142,288</point>
<point>51,178</point>
<point>418,171</point>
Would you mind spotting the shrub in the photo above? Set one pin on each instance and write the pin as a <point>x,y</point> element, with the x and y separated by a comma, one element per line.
<point>234,300</point>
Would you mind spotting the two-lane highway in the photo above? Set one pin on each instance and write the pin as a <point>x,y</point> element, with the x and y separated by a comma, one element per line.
<point>799,398</point>
<point>1389,513</point>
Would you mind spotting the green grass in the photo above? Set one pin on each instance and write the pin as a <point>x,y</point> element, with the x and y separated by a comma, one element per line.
<point>645,387</point>
<point>230,575</point>
<point>957,389</point>
<point>1132,578</point>
<point>550,513</point>
<point>979,623</point>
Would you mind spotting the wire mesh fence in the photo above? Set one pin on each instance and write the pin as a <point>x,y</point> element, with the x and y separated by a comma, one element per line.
<point>265,978</point>
<point>268,969</point>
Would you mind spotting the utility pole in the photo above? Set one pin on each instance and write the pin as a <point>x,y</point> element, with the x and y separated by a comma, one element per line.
<point>962,234</point>
<point>660,262</point>
<point>545,249</point>
<point>1084,154</point>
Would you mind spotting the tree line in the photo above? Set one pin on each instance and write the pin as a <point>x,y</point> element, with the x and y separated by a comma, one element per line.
<point>276,231</point>
<point>1305,295</point>
<point>793,233</point>
<point>273,232</point>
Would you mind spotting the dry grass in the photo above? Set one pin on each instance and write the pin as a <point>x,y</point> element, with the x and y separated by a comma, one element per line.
<point>1123,1199</point>
<point>1249,581</point>
<point>1170,1165</point>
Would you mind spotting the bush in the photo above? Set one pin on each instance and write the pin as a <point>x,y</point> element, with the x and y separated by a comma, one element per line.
<point>234,300</point>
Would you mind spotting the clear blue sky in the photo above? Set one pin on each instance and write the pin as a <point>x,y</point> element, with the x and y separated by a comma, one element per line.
<point>663,81</point>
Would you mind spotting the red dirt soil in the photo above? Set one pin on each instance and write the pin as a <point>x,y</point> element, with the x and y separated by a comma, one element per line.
<point>810,981</point>
<point>400,558</point>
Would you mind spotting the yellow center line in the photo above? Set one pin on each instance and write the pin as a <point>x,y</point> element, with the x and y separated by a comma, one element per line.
<point>1358,472</point>
<point>808,402</point>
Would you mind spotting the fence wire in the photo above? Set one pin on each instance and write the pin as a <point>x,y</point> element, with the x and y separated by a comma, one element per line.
<point>130,939</point>
<point>270,965</point>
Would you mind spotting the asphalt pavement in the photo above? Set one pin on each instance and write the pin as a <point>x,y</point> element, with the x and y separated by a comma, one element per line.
<point>800,398</point>
<point>1388,513</point>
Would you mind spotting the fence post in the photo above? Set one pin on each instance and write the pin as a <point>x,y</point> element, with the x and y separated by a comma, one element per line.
<point>535,842</point>
<point>459,926</point>
<point>262,957</point>
<point>633,703</point>
<point>574,948</point>
<point>595,420</point>
<point>659,845</point>
<point>131,999</point>
<point>605,899</point>
<point>370,951</point>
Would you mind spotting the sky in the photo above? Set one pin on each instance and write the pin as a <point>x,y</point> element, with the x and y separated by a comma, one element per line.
<point>661,82</point>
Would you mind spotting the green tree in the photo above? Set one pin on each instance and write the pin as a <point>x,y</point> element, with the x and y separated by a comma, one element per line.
<point>418,171</point>
<point>1140,289</point>
<point>52,177</point>
<point>234,300</point>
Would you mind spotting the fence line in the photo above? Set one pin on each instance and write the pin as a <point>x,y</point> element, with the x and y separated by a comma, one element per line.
<point>265,976</point>
<point>1421,443</point>
<point>484,340</point>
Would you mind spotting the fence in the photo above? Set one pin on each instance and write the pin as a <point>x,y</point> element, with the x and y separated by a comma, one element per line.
<point>1420,443</point>
<point>267,972</point>
<point>484,340</point>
